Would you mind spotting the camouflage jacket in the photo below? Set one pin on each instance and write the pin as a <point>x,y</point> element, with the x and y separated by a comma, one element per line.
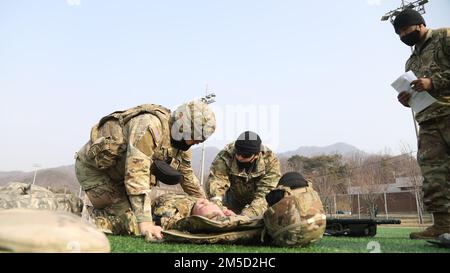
<point>173,213</point>
<point>20,195</point>
<point>296,220</point>
<point>169,208</point>
<point>432,60</point>
<point>248,189</point>
<point>124,144</point>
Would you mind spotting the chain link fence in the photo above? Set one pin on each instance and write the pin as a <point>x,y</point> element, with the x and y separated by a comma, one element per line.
<point>406,206</point>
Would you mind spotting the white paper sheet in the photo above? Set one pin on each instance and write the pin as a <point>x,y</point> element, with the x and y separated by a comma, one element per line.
<point>419,100</point>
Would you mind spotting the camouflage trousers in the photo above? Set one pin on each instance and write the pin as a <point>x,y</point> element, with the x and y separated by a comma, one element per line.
<point>111,211</point>
<point>434,160</point>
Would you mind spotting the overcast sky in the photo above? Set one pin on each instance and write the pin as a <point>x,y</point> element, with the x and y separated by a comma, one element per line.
<point>301,73</point>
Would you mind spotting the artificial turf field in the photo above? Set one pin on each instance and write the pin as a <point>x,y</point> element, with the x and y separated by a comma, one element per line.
<point>388,240</point>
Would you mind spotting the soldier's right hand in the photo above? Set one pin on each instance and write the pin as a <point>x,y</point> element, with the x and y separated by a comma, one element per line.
<point>150,231</point>
<point>228,212</point>
<point>403,98</point>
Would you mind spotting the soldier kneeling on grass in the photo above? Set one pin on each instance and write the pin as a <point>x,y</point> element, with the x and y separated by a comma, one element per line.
<point>115,167</point>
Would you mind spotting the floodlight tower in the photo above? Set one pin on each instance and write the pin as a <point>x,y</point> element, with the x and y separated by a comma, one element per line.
<point>209,98</point>
<point>36,167</point>
<point>418,5</point>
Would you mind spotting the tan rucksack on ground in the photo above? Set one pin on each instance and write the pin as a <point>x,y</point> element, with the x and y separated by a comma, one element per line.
<point>25,230</point>
<point>21,195</point>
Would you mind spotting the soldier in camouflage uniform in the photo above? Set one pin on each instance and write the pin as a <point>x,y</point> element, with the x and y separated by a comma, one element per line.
<point>296,216</point>
<point>242,174</point>
<point>167,209</point>
<point>114,167</point>
<point>170,208</point>
<point>430,62</point>
<point>187,219</point>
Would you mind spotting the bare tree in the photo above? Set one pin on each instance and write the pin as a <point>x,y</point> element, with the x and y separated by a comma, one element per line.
<point>370,176</point>
<point>284,165</point>
<point>411,170</point>
<point>328,173</point>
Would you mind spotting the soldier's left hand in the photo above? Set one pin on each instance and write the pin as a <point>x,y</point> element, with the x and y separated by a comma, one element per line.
<point>403,98</point>
<point>422,84</point>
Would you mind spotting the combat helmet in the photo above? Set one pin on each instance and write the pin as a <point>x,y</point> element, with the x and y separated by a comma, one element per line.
<point>193,121</point>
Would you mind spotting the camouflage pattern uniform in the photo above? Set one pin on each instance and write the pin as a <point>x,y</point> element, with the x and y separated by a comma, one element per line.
<point>243,192</point>
<point>296,220</point>
<point>168,209</point>
<point>432,60</point>
<point>113,168</point>
<point>173,213</point>
<point>20,195</point>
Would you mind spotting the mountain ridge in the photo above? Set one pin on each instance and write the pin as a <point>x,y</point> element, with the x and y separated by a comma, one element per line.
<point>64,177</point>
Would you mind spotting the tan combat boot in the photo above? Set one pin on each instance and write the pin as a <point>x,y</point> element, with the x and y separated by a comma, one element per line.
<point>441,226</point>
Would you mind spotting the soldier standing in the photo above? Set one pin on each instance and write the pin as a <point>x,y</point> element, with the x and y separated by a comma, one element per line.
<point>242,174</point>
<point>115,167</point>
<point>430,61</point>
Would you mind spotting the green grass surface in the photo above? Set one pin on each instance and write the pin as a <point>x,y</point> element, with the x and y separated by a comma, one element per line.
<point>389,240</point>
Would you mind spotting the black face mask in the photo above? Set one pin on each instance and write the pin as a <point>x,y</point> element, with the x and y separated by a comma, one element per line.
<point>245,165</point>
<point>180,145</point>
<point>412,38</point>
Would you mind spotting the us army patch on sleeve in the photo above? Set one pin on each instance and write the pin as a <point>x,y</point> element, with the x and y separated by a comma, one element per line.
<point>175,163</point>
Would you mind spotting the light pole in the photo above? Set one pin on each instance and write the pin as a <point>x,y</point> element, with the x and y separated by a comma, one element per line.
<point>35,166</point>
<point>209,99</point>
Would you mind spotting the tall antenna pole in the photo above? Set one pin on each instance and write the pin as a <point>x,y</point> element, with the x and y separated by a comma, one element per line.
<point>415,124</point>
<point>36,166</point>
<point>209,99</point>
<point>202,165</point>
